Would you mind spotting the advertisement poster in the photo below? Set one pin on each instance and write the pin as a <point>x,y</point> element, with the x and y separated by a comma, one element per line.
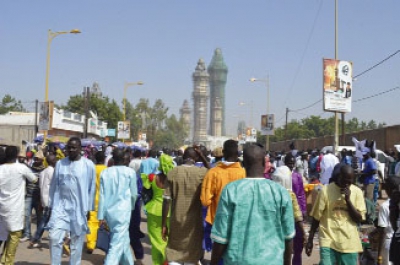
<point>45,115</point>
<point>111,132</point>
<point>267,124</point>
<point>338,85</point>
<point>124,130</point>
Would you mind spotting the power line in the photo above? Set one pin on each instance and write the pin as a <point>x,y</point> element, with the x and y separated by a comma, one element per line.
<point>376,65</point>
<point>283,116</point>
<point>360,74</point>
<point>354,101</point>
<point>313,104</point>
<point>304,52</point>
<point>305,114</point>
<point>376,95</point>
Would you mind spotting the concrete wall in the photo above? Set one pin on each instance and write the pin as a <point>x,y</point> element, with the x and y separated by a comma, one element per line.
<point>385,138</point>
<point>17,133</point>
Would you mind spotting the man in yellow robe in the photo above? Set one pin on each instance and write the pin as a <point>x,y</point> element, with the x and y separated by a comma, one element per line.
<point>93,223</point>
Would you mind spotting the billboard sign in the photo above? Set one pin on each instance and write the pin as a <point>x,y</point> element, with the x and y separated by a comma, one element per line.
<point>124,130</point>
<point>111,132</point>
<point>45,115</point>
<point>338,85</point>
<point>267,124</point>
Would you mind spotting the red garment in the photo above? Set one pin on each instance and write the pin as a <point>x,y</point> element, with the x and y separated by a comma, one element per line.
<point>269,168</point>
<point>318,167</point>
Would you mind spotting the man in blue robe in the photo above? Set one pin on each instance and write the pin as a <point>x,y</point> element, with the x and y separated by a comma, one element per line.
<point>71,197</point>
<point>118,193</point>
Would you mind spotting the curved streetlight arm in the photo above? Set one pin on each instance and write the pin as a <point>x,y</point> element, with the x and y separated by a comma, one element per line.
<point>266,81</point>
<point>128,84</point>
<point>51,35</point>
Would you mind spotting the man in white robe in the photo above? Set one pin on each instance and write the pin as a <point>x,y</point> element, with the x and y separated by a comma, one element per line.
<point>71,197</point>
<point>328,162</point>
<point>13,178</point>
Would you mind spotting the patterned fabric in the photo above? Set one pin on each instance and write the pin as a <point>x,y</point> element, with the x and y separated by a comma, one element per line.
<point>215,180</point>
<point>337,230</point>
<point>186,227</point>
<point>246,207</point>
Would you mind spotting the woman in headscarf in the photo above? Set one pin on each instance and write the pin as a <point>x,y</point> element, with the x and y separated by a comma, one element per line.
<point>157,183</point>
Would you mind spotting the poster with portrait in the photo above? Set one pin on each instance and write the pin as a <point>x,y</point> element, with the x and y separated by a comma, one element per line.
<point>267,124</point>
<point>124,130</point>
<point>337,85</point>
<point>45,115</point>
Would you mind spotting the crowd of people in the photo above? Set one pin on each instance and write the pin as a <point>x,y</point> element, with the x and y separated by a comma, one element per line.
<point>246,207</point>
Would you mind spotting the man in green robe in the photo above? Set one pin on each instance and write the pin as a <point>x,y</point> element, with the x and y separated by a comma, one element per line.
<point>254,223</point>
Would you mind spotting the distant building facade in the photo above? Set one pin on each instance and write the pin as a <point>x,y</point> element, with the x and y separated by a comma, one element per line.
<point>185,116</point>
<point>20,126</point>
<point>218,72</point>
<point>208,87</point>
<point>200,102</point>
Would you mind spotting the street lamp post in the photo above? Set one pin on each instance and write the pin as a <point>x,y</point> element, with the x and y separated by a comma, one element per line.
<point>266,82</point>
<point>249,116</point>
<point>51,35</point>
<point>127,84</point>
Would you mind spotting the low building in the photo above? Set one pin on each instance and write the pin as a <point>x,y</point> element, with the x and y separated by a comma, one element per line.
<point>19,126</point>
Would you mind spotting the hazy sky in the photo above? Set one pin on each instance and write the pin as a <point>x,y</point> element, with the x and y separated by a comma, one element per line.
<point>160,42</point>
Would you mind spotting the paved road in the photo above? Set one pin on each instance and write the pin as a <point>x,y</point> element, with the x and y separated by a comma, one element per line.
<point>39,256</point>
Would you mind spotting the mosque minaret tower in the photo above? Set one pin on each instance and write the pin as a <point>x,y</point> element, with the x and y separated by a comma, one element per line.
<point>200,98</point>
<point>218,72</point>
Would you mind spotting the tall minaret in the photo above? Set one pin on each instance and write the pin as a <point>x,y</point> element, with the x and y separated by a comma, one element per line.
<point>218,72</point>
<point>185,116</point>
<point>200,97</point>
<point>216,125</point>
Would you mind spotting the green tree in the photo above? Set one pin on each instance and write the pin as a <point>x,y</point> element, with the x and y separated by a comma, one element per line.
<point>352,125</point>
<point>315,126</point>
<point>172,135</point>
<point>381,125</point>
<point>106,109</point>
<point>156,117</point>
<point>315,123</point>
<point>372,125</point>
<point>8,103</point>
<point>363,126</point>
<point>133,115</point>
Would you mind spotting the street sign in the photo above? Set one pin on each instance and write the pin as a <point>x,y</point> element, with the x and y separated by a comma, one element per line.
<point>337,85</point>
<point>124,130</point>
<point>267,124</point>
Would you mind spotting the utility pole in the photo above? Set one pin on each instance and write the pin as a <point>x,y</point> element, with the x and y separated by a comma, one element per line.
<point>87,107</point>
<point>36,118</point>
<point>343,129</point>
<point>286,123</point>
<point>336,135</point>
